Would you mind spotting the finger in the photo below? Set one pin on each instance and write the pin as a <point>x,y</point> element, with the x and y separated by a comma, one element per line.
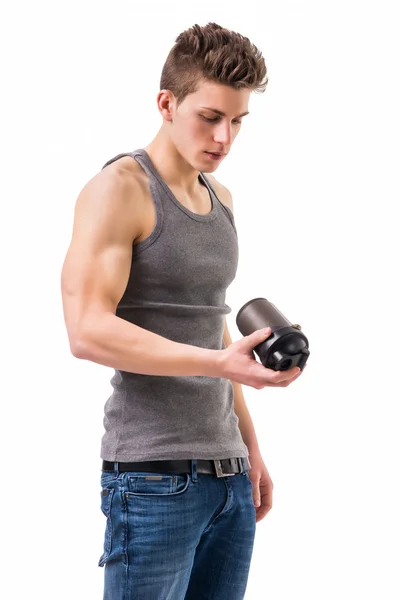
<point>282,376</point>
<point>263,509</point>
<point>282,382</point>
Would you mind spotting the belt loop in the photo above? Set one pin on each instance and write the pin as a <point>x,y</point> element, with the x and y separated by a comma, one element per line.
<point>243,465</point>
<point>116,470</point>
<point>194,469</point>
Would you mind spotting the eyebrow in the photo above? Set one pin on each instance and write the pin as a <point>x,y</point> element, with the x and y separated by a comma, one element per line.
<point>219,112</point>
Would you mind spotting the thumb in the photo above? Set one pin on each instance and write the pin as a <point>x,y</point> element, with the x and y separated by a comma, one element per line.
<point>259,335</point>
<point>256,499</point>
<point>256,493</point>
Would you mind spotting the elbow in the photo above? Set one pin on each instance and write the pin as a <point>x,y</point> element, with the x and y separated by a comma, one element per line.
<point>78,348</point>
<point>80,340</point>
<point>83,340</point>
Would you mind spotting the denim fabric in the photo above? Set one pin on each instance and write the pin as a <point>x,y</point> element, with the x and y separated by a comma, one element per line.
<point>186,536</point>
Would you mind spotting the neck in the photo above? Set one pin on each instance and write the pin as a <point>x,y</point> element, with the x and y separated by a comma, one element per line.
<point>173,168</point>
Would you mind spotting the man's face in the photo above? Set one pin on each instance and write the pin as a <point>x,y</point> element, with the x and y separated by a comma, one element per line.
<point>196,129</point>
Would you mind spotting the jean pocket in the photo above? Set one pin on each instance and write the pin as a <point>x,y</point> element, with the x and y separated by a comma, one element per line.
<point>105,505</point>
<point>157,484</point>
<point>107,477</point>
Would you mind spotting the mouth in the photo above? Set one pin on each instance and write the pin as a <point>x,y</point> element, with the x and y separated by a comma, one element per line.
<point>215,154</point>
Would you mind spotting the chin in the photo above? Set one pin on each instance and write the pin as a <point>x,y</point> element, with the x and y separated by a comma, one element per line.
<point>210,164</point>
<point>200,163</point>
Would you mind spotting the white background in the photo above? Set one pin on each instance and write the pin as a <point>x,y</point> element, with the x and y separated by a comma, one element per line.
<point>314,177</point>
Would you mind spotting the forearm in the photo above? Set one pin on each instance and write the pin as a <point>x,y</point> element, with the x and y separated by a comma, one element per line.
<point>246,425</point>
<point>114,342</point>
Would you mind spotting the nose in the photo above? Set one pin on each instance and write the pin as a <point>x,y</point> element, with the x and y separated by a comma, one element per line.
<point>223,134</point>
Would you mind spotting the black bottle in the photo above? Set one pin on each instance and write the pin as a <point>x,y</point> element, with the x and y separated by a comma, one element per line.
<point>286,346</point>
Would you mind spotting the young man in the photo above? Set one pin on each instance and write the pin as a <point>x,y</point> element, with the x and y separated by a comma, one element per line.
<point>154,248</point>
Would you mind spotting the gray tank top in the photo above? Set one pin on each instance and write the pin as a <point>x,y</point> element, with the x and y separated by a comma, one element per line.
<point>176,288</point>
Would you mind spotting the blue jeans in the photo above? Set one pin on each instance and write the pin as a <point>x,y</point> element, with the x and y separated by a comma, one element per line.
<point>186,536</point>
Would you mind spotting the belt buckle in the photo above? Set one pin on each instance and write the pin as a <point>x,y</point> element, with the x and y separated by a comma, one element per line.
<point>220,472</point>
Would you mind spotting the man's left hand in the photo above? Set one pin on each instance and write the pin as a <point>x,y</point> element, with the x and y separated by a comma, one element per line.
<point>262,485</point>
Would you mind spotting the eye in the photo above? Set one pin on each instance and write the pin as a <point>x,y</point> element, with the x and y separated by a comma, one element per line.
<point>210,120</point>
<point>217,119</point>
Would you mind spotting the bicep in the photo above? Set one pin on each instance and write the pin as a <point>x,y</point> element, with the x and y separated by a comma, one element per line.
<point>97,265</point>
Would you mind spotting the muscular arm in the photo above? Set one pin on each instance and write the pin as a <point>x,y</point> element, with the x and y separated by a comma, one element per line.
<point>107,219</point>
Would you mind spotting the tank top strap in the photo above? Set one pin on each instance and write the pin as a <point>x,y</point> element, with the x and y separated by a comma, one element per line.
<point>141,156</point>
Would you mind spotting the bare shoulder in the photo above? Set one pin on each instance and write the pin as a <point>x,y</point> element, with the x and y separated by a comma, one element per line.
<point>118,190</point>
<point>127,171</point>
<point>222,191</point>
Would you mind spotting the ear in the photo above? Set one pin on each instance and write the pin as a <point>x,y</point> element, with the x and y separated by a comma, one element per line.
<point>165,103</point>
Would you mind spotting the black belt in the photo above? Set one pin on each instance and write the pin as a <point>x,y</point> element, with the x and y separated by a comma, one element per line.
<point>220,468</point>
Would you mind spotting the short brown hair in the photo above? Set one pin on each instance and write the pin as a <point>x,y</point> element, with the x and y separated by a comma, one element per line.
<point>216,54</point>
